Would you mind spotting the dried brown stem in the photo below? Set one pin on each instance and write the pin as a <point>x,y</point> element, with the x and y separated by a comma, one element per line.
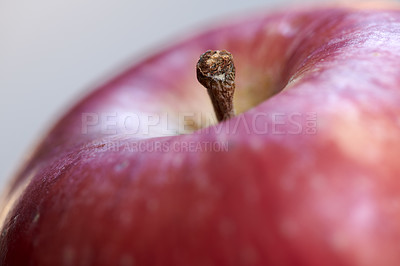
<point>216,72</point>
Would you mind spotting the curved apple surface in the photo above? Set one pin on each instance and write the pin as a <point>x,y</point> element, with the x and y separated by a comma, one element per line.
<point>310,176</point>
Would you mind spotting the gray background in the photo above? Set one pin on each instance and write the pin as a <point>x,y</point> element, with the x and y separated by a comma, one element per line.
<point>51,51</point>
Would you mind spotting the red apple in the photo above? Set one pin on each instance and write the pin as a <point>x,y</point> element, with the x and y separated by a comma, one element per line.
<point>308,177</point>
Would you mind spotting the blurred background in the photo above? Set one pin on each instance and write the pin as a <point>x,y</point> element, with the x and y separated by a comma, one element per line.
<point>53,51</point>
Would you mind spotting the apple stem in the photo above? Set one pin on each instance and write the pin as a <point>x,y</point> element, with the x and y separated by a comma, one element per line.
<point>216,72</point>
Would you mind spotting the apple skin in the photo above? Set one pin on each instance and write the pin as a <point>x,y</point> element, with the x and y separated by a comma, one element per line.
<point>328,198</point>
